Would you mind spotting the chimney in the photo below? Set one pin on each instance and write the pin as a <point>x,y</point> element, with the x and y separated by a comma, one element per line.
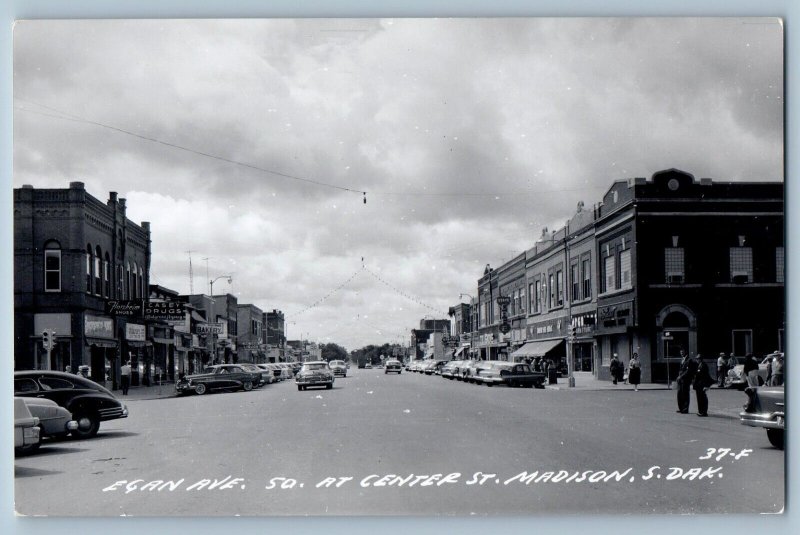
<point>112,196</point>
<point>76,185</point>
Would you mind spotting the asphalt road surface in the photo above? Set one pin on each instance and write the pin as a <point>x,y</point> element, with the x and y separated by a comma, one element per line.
<point>363,448</point>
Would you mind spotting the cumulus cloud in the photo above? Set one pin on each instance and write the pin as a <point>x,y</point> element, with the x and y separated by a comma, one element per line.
<point>468,135</point>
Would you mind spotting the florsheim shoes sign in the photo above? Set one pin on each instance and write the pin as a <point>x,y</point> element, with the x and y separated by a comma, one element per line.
<point>147,309</point>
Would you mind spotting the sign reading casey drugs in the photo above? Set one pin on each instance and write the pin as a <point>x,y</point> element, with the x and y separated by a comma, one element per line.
<point>209,328</point>
<point>164,310</point>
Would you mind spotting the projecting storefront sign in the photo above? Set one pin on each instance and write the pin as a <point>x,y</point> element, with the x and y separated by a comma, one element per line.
<point>135,332</point>
<point>125,309</point>
<point>164,310</point>
<point>209,328</point>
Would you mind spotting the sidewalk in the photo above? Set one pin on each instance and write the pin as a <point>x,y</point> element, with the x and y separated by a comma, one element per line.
<point>165,390</point>
<point>731,400</point>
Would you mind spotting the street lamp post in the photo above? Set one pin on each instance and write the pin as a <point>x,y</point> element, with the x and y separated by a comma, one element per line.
<point>211,282</point>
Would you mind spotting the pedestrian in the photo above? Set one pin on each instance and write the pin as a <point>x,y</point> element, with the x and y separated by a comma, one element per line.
<point>750,370</point>
<point>125,377</point>
<point>537,364</point>
<point>701,383</point>
<point>614,368</point>
<point>770,362</point>
<point>722,370</point>
<point>635,372</point>
<point>685,376</point>
<point>777,372</point>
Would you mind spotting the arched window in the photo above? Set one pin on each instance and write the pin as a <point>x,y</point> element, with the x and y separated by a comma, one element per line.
<point>120,282</point>
<point>128,280</point>
<point>135,293</point>
<point>141,283</point>
<point>52,266</point>
<point>678,331</point>
<point>98,271</point>
<point>107,275</point>
<point>89,268</point>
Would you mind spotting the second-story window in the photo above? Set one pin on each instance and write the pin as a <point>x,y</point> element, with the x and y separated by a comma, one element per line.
<point>609,274</point>
<point>625,269</point>
<point>98,271</point>
<point>107,276</point>
<point>559,288</point>
<point>552,294</point>
<point>575,282</point>
<point>89,269</point>
<point>741,259</point>
<point>52,267</point>
<point>586,272</point>
<point>674,265</point>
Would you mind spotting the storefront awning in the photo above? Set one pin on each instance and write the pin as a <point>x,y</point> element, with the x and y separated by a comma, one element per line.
<point>429,353</point>
<point>460,350</point>
<point>198,317</point>
<point>165,341</point>
<point>536,349</point>
<point>101,342</point>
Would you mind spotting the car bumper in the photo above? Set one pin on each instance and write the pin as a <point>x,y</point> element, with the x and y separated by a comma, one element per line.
<point>768,420</point>
<point>314,382</point>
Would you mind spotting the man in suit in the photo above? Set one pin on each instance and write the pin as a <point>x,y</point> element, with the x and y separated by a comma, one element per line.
<point>685,376</point>
<point>701,383</point>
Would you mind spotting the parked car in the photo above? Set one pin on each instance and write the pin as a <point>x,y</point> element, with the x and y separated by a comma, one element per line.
<point>393,366</point>
<point>218,377</point>
<point>26,427</point>
<point>469,371</point>
<point>287,369</point>
<point>338,367</point>
<point>434,367</point>
<point>737,379</point>
<point>255,370</point>
<point>510,374</point>
<point>368,366</point>
<point>88,402</point>
<point>267,373</point>
<point>54,421</point>
<point>765,408</point>
<point>315,373</point>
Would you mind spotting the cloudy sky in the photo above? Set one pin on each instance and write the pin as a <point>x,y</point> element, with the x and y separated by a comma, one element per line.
<point>250,142</point>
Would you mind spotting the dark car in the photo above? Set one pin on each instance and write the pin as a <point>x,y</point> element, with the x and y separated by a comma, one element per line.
<point>766,408</point>
<point>88,402</point>
<point>255,369</point>
<point>510,374</point>
<point>316,373</point>
<point>393,366</point>
<point>218,377</point>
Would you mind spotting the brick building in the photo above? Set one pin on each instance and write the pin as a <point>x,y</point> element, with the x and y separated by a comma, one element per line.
<point>72,254</point>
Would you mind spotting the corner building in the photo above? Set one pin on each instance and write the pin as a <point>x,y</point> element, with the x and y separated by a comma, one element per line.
<point>73,253</point>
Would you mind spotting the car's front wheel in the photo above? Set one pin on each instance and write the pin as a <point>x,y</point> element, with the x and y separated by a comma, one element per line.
<point>200,389</point>
<point>299,388</point>
<point>88,425</point>
<point>247,386</point>
<point>775,437</point>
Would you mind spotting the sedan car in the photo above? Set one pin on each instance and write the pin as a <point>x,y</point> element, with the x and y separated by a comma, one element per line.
<point>54,421</point>
<point>88,402</point>
<point>765,408</point>
<point>393,366</point>
<point>315,373</point>
<point>267,373</point>
<point>368,366</point>
<point>218,377</point>
<point>737,379</point>
<point>470,370</point>
<point>510,374</point>
<point>338,367</point>
<point>26,427</point>
<point>253,368</point>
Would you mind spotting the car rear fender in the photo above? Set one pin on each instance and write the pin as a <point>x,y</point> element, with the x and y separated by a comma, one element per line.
<point>90,402</point>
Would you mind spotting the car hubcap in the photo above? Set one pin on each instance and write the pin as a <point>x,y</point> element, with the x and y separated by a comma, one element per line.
<point>84,424</point>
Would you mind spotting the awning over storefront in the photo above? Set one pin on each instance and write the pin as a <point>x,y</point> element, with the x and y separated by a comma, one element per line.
<point>138,343</point>
<point>429,354</point>
<point>460,350</point>
<point>101,342</point>
<point>166,341</point>
<point>197,317</point>
<point>536,349</point>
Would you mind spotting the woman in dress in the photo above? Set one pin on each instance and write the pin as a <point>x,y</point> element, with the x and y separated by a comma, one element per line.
<point>635,372</point>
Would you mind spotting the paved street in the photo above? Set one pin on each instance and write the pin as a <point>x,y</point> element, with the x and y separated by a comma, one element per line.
<point>497,450</point>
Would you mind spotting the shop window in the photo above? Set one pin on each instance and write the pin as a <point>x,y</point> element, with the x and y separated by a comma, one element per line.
<point>625,269</point>
<point>779,276</point>
<point>741,259</point>
<point>673,265</point>
<point>52,267</point>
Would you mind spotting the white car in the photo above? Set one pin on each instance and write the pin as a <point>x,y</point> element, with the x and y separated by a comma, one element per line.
<point>26,426</point>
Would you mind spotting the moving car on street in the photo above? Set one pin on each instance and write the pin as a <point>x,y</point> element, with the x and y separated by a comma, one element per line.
<point>218,377</point>
<point>393,366</point>
<point>338,367</point>
<point>88,402</point>
<point>765,408</point>
<point>510,374</point>
<point>315,373</point>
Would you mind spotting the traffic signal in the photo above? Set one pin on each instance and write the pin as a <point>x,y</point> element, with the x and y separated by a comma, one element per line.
<point>47,340</point>
<point>572,331</point>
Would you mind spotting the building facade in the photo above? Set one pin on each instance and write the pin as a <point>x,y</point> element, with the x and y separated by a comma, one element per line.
<point>72,255</point>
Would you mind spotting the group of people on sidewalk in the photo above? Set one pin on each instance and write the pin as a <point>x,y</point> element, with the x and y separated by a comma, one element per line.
<point>617,370</point>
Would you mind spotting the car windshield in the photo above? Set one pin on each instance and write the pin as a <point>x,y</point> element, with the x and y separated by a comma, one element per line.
<point>315,366</point>
<point>337,363</point>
